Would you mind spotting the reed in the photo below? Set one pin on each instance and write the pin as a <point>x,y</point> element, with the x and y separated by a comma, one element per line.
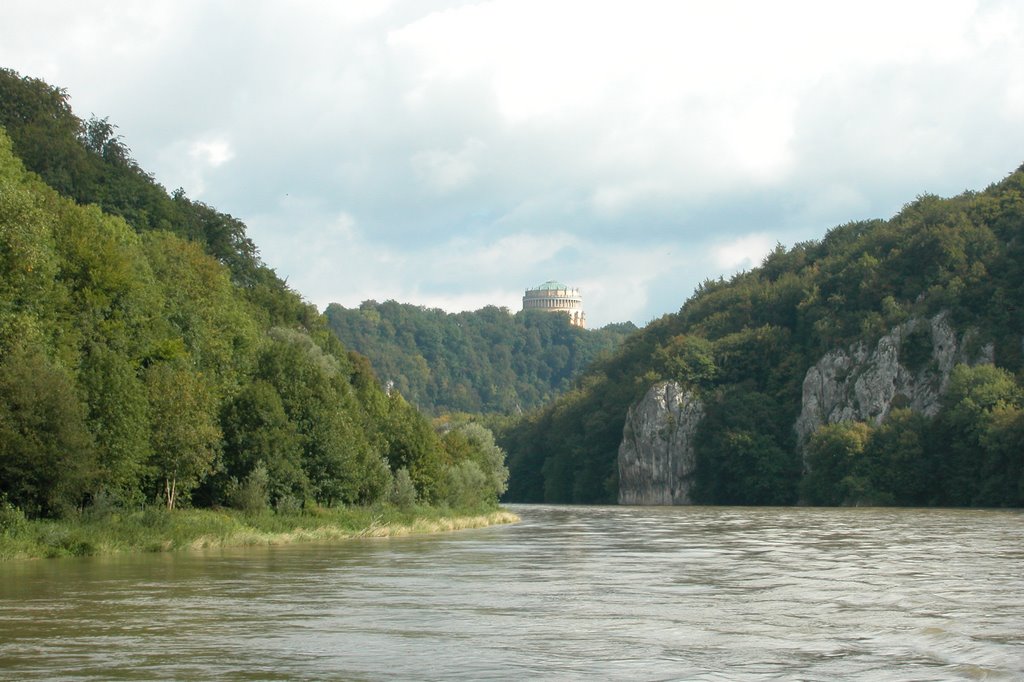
<point>157,530</point>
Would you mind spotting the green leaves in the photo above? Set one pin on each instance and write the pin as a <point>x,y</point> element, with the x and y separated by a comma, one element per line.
<point>488,361</point>
<point>981,428</point>
<point>46,451</point>
<point>146,354</point>
<point>257,432</point>
<point>690,360</point>
<point>832,458</point>
<point>184,434</point>
<point>746,344</point>
<point>969,454</point>
<point>476,471</point>
<point>119,420</point>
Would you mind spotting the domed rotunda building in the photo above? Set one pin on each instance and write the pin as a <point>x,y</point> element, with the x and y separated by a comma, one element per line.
<point>556,297</point>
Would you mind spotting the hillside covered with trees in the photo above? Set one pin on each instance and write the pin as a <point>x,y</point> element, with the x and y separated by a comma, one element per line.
<point>486,361</point>
<point>744,347</point>
<point>148,356</point>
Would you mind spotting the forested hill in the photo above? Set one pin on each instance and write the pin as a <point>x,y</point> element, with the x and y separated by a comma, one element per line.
<point>147,355</point>
<point>486,361</point>
<point>880,291</point>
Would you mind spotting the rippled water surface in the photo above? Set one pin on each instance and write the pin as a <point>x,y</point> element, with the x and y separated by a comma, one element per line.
<point>569,593</point>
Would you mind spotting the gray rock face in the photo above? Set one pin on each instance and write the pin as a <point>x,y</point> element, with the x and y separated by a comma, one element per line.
<point>865,385</point>
<point>656,457</point>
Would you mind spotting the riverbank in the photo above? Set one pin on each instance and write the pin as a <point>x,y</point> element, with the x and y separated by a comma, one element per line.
<point>158,530</point>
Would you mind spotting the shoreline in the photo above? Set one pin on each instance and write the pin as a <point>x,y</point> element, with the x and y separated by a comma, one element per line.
<point>197,529</point>
<point>329,533</point>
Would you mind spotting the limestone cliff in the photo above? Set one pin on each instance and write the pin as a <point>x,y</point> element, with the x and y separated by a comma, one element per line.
<point>908,367</point>
<point>656,457</point>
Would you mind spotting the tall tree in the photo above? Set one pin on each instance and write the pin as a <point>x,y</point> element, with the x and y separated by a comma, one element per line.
<point>184,435</point>
<point>46,453</point>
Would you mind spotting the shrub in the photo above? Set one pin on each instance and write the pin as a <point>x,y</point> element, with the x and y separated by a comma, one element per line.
<point>251,495</point>
<point>12,519</point>
<point>288,504</point>
<point>466,484</point>
<point>403,492</point>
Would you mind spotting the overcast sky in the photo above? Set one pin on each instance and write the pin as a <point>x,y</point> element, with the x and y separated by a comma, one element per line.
<point>452,154</point>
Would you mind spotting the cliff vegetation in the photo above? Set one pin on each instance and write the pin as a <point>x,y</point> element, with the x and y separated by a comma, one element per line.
<point>881,364</point>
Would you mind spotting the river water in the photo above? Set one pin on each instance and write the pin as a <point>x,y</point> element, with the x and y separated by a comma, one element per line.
<point>605,593</point>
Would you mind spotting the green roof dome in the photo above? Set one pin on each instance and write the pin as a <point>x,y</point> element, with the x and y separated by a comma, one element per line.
<point>550,285</point>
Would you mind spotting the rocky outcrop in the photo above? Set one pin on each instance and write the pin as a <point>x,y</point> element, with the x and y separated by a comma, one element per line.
<point>656,457</point>
<point>909,367</point>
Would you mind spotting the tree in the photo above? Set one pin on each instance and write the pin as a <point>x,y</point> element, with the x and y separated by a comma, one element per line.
<point>1001,481</point>
<point>898,462</point>
<point>28,262</point>
<point>184,436</point>
<point>742,457</point>
<point>403,492</point>
<point>689,360</point>
<point>134,325</point>
<point>203,309</point>
<point>745,467</point>
<point>338,455</point>
<point>831,457</point>
<point>411,443</point>
<point>38,118</point>
<point>486,360</point>
<point>119,420</point>
<point>46,452</point>
<point>341,464</point>
<point>977,424</point>
<point>474,443</point>
<point>257,432</point>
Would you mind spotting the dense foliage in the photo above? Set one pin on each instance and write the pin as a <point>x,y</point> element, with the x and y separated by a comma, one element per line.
<point>745,346</point>
<point>147,354</point>
<point>487,361</point>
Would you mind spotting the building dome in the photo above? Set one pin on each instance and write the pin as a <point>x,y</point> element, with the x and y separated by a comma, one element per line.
<point>554,297</point>
<point>550,285</point>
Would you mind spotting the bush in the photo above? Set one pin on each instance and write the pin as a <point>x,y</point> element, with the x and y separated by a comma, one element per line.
<point>466,484</point>
<point>288,504</point>
<point>251,495</point>
<point>403,492</point>
<point>12,519</point>
<point>156,518</point>
<point>104,506</point>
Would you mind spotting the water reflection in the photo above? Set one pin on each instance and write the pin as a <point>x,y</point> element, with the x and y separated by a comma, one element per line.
<point>569,593</point>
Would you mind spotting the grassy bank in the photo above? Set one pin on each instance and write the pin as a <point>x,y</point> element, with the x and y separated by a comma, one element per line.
<point>157,530</point>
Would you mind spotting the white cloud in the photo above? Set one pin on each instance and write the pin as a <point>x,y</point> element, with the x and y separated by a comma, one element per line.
<point>336,260</point>
<point>344,226</point>
<point>453,149</point>
<point>613,200</point>
<point>190,163</point>
<point>211,152</point>
<point>445,171</point>
<point>743,253</point>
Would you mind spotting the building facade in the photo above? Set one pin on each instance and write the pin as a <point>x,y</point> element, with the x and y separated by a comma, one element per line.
<point>556,297</point>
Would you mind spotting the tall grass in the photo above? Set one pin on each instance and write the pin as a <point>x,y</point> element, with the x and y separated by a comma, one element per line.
<point>158,530</point>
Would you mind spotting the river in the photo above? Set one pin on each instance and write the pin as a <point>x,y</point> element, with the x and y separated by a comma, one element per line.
<point>570,593</point>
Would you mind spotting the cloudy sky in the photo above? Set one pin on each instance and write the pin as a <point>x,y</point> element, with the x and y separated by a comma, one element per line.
<point>453,153</point>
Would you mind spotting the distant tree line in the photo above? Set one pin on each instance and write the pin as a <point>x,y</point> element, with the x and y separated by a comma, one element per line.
<point>486,361</point>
